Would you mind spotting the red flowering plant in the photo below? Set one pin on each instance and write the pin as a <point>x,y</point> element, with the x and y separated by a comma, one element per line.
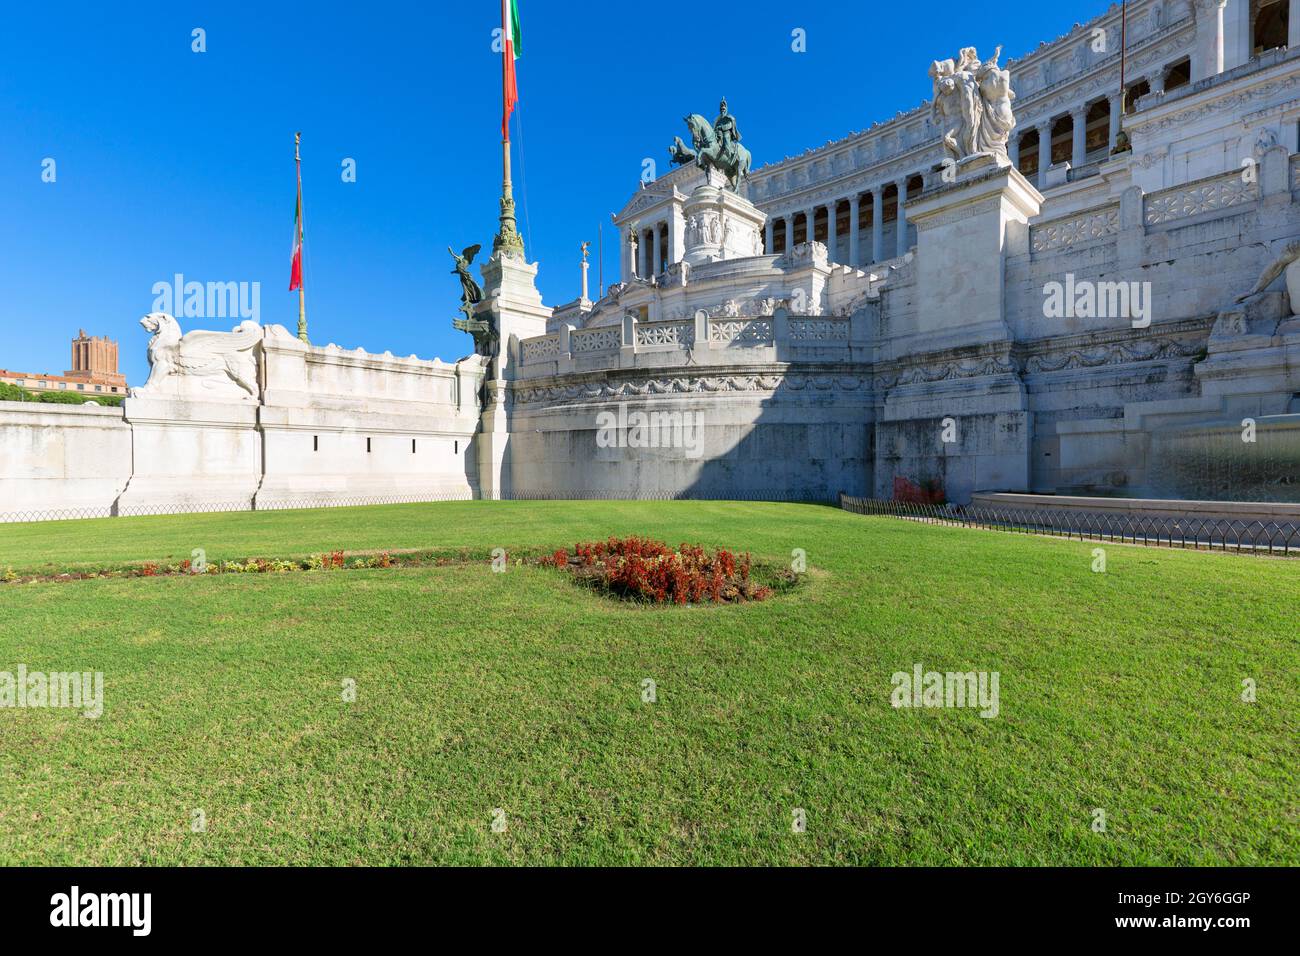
<point>647,570</point>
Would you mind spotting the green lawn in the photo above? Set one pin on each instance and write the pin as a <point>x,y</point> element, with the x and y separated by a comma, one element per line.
<point>521,691</point>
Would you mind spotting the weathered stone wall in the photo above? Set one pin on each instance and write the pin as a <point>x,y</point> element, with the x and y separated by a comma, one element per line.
<point>67,457</point>
<point>328,426</point>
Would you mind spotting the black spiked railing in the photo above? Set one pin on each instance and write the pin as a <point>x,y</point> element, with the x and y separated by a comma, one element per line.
<point>1211,534</point>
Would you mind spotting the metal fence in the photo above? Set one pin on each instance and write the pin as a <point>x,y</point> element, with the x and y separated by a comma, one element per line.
<point>136,511</point>
<point>207,507</point>
<point>1212,534</point>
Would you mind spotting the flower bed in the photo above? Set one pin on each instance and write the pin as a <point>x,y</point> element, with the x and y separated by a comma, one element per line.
<point>642,569</point>
<point>328,561</point>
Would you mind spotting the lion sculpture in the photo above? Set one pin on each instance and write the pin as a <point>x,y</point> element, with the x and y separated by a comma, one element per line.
<point>200,364</point>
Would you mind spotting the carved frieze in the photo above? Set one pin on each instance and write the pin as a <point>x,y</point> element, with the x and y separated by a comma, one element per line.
<point>1118,353</point>
<point>689,385</point>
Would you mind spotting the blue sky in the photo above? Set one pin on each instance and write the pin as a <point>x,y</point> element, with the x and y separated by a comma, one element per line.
<point>173,161</point>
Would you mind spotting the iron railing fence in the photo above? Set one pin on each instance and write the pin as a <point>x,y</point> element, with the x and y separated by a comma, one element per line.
<point>136,511</point>
<point>1213,534</point>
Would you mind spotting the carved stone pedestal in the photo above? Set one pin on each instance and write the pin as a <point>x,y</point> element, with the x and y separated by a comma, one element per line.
<point>510,295</point>
<point>965,230</point>
<point>721,225</point>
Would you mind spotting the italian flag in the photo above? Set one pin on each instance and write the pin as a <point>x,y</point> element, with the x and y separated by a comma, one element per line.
<point>295,267</point>
<point>509,53</point>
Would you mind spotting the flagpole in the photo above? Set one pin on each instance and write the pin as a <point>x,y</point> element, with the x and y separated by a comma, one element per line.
<point>302,298</point>
<point>1122,144</point>
<point>507,239</point>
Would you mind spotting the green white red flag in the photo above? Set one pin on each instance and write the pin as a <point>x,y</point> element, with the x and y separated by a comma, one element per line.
<point>510,49</point>
<point>295,267</point>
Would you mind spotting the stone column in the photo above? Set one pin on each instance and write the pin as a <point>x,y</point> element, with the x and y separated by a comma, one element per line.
<point>789,231</point>
<point>832,213</point>
<point>1044,152</point>
<point>1116,116</point>
<point>631,253</point>
<point>769,230</point>
<point>1207,56</point>
<point>676,235</point>
<point>810,217</point>
<point>855,237</point>
<point>1013,149</point>
<point>1079,153</point>
<point>1293,24</point>
<point>901,221</point>
<point>877,224</point>
<point>1157,80</point>
<point>1237,33</point>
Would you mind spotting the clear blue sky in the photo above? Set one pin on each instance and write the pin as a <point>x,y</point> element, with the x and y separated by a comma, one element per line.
<point>172,161</point>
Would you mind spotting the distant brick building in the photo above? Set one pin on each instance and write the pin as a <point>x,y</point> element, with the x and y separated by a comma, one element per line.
<point>94,369</point>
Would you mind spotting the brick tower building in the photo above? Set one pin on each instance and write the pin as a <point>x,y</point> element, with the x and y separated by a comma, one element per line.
<point>94,360</point>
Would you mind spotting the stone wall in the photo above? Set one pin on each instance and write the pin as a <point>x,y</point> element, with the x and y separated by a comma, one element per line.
<point>769,405</point>
<point>62,457</point>
<point>328,426</point>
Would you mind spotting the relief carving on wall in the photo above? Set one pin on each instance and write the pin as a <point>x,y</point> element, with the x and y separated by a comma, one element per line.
<point>689,385</point>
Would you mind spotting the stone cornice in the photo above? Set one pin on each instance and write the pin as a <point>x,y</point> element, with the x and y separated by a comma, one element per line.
<point>1231,90</point>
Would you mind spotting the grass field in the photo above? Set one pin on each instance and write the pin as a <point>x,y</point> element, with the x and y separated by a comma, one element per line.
<point>520,691</point>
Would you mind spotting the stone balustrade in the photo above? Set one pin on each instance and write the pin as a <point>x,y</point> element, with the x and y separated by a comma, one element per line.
<point>762,338</point>
<point>1070,231</point>
<point>1140,214</point>
<point>1213,194</point>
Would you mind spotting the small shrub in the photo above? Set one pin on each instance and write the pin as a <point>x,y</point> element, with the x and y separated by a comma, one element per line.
<point>647,570</point>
